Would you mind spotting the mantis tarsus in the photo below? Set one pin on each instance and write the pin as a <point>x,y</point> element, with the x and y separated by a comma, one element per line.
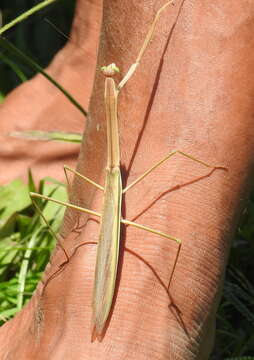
<point>110,218</point>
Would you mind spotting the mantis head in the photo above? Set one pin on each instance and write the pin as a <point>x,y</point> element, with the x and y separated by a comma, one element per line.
<point>110,70</point>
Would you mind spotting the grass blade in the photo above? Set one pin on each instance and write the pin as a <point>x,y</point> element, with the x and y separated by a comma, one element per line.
<point>25,15</point>
<point>8,46</point>
<point>48,136</point>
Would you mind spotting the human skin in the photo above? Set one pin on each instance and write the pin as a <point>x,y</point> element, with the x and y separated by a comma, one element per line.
<point>193,91</point>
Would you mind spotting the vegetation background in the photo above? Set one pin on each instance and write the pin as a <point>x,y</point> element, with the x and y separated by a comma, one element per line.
<point>25,247</point>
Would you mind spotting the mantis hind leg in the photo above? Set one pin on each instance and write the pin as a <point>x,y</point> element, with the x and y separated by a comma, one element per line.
<point>155,166</point>
<point>167,157</point>
<point>57,238</point>
<point>157,232</point>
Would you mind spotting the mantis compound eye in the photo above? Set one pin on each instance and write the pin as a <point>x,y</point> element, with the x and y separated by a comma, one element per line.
<point>110,70</point>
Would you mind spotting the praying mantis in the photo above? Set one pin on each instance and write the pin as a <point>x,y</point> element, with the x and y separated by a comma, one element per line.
<point>110,217</point>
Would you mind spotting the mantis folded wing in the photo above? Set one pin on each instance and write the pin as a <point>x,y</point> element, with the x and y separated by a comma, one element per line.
<point>110,219</point>
<point>109,238</point>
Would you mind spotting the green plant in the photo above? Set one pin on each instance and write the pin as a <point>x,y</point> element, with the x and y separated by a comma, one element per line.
<point>25,243</point>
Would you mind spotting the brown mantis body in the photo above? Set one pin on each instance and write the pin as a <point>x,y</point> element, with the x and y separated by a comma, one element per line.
<point>110,218</point>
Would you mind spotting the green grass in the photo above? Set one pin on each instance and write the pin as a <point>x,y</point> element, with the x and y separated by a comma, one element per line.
<point>25,243</point>
<point>235,318</point>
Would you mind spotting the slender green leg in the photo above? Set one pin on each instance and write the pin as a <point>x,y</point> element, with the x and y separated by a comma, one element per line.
<point>172,153</point>
<point>35,195</point>
<point>58,240</point>
<point>91,212</point>
<point>157,232</point>
<point>71,206</point>
<point>81,176</point>
<point>124,221</point>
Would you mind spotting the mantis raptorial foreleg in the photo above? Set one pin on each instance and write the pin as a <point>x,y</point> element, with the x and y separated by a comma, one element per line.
<point>146,42</point>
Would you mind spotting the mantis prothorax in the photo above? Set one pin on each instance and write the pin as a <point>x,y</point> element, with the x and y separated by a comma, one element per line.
<point>110,218</point>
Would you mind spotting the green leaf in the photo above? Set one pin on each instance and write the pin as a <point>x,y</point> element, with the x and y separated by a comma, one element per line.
<point>14,197</point>
<point>2,97</point>
<point>7,226</point>
<point>31,183</point>
<point>48,136</point>
<point>14,67</point>
<point>51,209</point>
<point>33,64</point>
<point>5,315</point>
<point>22,222</point>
